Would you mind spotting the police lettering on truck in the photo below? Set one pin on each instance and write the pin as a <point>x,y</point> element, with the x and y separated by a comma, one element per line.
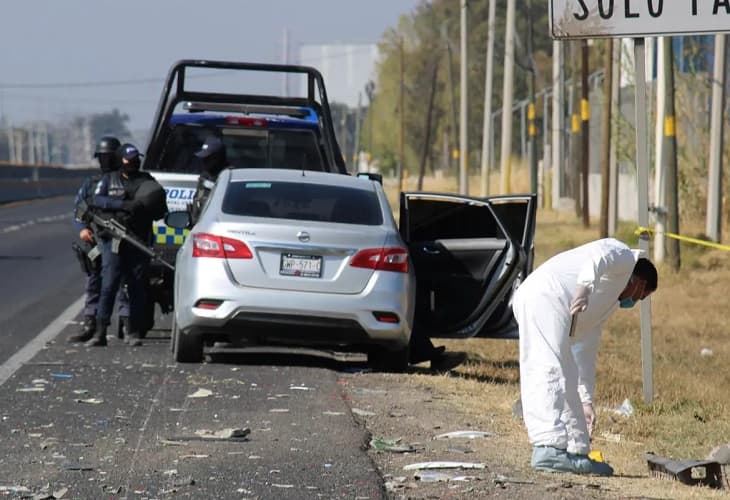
<point>177,199</point>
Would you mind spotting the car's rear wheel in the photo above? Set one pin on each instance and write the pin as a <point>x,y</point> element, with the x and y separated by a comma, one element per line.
<point>187,347</point>
<point>388,360</point>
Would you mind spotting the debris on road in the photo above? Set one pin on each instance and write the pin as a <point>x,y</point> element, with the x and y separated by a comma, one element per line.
<point>444,465</point>
<point>228,433</point>
<point>429,476</point>
<point>362,413</point>
<point>465,435</point>
<point>90,401</point>
<point>392,445</point>
<point>503,481</point>
<point>690,472</point>
<point>626,409</point>
<point>201,393</point>
<point>75,466</point>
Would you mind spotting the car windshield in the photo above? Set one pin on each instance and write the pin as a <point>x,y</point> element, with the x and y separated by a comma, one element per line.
<point>303,201</point>
<point>245,148</point>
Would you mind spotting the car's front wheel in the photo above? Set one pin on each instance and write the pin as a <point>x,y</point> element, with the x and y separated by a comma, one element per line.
<point>187,347</point>
<point>388,360</point>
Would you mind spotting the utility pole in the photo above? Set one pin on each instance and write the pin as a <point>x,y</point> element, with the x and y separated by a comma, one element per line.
<point>613,164</point>
<point>531,129</point>
<point>463,127</point>
<point>558,123</point>
<point>487,125</point>
<point>659,157</point>
<point>670,158</point>
<point>453,154</point>
<point>606,136</point>
<point>585,115</point>
<point>507,96</point>
<point>356,152</point>
<point>401,106</point>
<point>370,93</point>
<point>714,186</point>
<point>429,113</point>
<point>575,146</point>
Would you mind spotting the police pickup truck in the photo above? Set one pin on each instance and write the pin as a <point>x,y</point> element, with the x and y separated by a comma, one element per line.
<point>233,101</point>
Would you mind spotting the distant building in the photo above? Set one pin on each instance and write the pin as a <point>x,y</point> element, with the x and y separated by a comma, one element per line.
<point>346,69</point>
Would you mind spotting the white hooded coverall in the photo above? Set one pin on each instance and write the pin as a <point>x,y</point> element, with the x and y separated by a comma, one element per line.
<point>557,372</point>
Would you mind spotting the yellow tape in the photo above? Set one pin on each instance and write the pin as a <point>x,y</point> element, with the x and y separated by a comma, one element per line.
<point>669,126</point>
<point>531,111</point>
<point>532,130</point>
<point>641,231</point>
<point>585,110</point>
<point>576,123</point>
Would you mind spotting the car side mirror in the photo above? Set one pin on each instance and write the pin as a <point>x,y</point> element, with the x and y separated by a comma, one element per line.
<point>371,176</point>
<point>180,219</point>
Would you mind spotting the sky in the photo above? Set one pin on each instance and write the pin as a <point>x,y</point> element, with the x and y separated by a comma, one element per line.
<point>50,42</point>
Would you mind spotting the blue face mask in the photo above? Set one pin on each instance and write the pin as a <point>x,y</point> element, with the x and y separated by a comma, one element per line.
<point>627,303</point>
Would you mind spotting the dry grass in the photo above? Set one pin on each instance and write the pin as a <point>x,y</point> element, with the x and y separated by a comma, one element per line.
<point>689,414</point>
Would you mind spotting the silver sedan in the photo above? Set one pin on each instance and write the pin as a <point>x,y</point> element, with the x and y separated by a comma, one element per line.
<point>301,258</point>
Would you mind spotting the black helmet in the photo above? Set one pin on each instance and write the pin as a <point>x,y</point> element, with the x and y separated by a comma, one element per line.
<point>107,144</point>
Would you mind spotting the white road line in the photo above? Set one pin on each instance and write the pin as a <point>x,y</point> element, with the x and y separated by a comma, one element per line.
<point>31,348</point>
<point>39,220</point>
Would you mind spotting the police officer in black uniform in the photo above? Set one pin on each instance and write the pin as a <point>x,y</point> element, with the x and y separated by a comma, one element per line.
<point>134,199</point>
<point>106,154</point>
<point>213,158</point>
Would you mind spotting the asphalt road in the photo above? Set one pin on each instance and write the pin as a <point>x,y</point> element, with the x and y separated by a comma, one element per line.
<point>120,422</point>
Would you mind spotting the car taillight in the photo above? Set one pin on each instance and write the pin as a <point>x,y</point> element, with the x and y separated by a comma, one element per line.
<point>382,259</point>
<point>246,121</point>
<point>210,245</point>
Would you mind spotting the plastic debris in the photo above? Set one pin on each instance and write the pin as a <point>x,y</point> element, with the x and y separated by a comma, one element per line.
<point>706,352</point>
<point>333,413</point>
<point>299,388</point>
<point>48,442</point>
<point>90,401</point>
<point>429,476</point>
<point>691,472</point>
<point>392,445</point>
<point>195,455</point>
<point>40,381</point>
<point>30,389</point>
<point>626,409</point>
<point>275,485</point>
<point>61,375</point>
<point>362,413</point>
<point>201,393</point>
<point>228,433</point>
<point>502,481</point>
<point>444,465</point>
<point>465,435</point>
<point>80,391</point>
<point>279,410</point>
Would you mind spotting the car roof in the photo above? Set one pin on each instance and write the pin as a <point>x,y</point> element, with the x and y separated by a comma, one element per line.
<point>301,176</point>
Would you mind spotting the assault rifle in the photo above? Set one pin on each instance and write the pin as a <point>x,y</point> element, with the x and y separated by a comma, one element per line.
<point>118,233</point>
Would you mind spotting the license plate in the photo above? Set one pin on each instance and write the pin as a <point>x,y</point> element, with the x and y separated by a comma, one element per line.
<point>305,266</point>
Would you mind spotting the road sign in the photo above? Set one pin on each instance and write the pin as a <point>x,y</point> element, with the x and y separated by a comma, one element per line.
<point>637,18</point>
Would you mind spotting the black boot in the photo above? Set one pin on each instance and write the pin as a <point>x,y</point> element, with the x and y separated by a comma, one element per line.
<point>99,338</point>
<point>88,328</point>
<point>123,330</point>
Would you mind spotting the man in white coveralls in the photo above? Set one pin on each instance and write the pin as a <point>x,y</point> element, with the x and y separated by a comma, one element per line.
<point>557,362</point>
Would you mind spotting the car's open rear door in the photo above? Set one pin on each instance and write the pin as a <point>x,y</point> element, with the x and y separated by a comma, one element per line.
<point>468,254</point>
